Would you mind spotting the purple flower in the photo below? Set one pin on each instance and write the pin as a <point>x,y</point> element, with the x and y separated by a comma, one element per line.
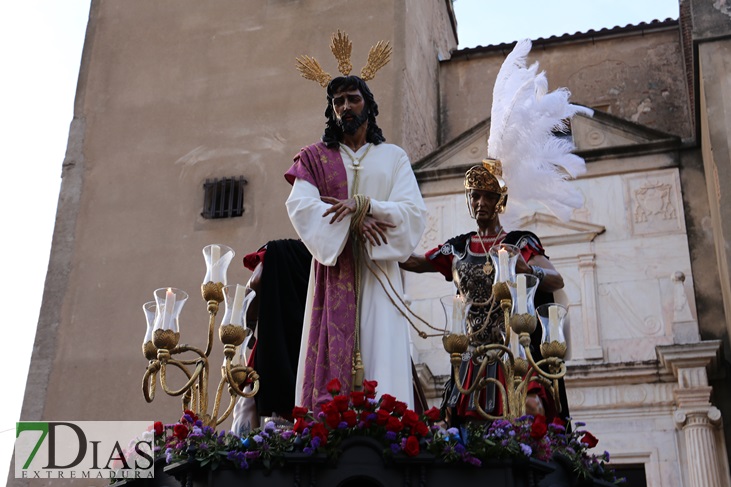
<point>472,460</point>
<point>258,438</point>
<point>391,435</point>
<point>287,434</point>
<point>526,449</point>
<point>308,451</point>
<point>270,426</point>
<point>342,425</point>
<point>251,454</point>
<point>169,455</point>
<point>395,447</point>
<point>459,448</point>
<point>316,442</point>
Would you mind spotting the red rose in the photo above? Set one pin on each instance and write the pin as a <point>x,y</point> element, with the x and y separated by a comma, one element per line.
<point>412,446</point>
<point>333,387</point>
<point>318,430</point>
<point>388,402</point>
<point>350,418</point>
<point>421,429</point>
<point>329,407</point>
<point>410,418</point>
<point>433,414</point>
<point>539,427</point>
<point>394,424</point>
<point>341,403</point>
<point>369,387</point>
<point>180,431</point>
<point>299,412</point>
<point>332,419</point>
<point>399,408</point>
<point>358,398</point>
<point>382,416</point>
<point>589,439</point>
<point>159,428</point>
<point>299,425</point>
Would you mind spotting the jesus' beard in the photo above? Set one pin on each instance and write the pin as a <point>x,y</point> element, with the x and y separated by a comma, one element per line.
<point>349,127</point>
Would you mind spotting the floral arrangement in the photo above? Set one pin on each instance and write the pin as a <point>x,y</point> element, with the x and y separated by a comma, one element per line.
<point>402,432</point>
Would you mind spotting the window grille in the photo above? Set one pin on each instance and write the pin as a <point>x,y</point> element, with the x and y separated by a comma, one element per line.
<point>223,198</point>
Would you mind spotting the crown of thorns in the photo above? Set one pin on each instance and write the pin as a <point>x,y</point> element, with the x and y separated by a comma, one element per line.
<point>341,47</point>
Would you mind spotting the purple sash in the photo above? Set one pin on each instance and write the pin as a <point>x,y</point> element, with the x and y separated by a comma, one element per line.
<point>332,332</point>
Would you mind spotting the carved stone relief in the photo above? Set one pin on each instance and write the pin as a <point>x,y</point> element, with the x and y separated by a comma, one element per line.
<point>654,203</point>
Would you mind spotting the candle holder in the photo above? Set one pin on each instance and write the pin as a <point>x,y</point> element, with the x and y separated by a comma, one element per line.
<point>148,348</point>
<point>160,344</point>
<point>513,356</point>
<point>552,317</point>
<point>455,341</point>
<point>522,294</point>
<point>503,258</point>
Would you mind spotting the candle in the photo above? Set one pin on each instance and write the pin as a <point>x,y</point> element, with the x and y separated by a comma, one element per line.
<point>553,323</point>
<point>515,344</point>
<point>503,264</point>
<point>168,312</point>
<point>522,297</point>
<point>215,254</point>
<point>456,314</point>
<point>238,305</point>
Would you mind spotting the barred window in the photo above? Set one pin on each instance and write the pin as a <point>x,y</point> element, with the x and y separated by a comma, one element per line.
<point>223,198</point>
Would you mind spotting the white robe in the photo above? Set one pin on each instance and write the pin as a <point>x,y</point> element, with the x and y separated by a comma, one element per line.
<point>386,177</point>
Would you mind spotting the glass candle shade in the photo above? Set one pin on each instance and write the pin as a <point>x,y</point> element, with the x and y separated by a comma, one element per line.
<point>455,312</point>
<point>552,317</point>
<point>217,257</point>
<point>522,292</point>
<point>169,302</point>
<point>504,258</point>
<point>150,309</point>
<point>236,298</point>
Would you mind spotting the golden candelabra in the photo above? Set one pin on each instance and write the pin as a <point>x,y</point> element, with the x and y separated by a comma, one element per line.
<point>161,342</point>
<point>518,371</point>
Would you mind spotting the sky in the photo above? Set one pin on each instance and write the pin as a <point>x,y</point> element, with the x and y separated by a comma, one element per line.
<point>40,51</point>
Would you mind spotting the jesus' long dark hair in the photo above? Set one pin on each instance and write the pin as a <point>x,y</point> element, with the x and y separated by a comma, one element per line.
<point>333,133</point>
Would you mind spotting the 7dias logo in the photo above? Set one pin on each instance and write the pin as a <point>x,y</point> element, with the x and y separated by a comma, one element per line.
<point>84,449</point>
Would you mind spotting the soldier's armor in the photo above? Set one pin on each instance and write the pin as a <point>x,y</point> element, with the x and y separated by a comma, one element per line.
<point>475,286</point>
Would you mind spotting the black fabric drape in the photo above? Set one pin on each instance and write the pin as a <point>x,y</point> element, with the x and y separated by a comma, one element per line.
<point>281,310</point>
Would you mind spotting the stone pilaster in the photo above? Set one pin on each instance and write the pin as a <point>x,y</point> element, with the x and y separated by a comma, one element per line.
<point>694,415</point>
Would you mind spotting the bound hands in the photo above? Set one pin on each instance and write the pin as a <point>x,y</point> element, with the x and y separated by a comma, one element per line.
<point>372,229</point>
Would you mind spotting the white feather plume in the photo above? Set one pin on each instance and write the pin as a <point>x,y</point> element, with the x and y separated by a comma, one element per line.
<point>525,116</point>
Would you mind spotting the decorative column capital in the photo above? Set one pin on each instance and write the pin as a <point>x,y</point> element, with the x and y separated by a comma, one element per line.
<point>697,417</point>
